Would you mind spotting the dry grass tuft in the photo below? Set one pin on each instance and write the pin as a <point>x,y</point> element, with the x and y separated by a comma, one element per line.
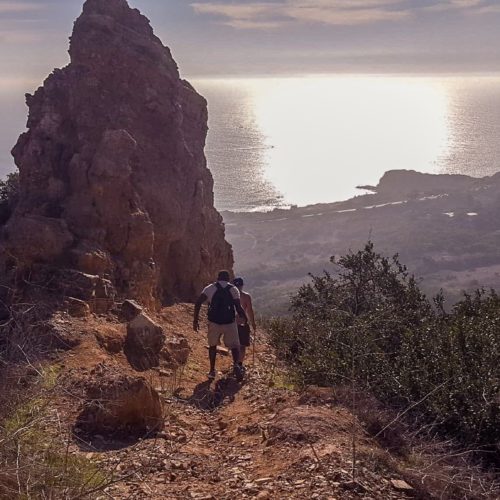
<point>34,449</point>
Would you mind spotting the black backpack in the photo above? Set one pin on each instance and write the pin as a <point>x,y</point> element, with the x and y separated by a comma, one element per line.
<point>221,309</point>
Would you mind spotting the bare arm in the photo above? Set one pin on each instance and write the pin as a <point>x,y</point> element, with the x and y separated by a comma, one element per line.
<point>240,310</point>
<point>197,306</point>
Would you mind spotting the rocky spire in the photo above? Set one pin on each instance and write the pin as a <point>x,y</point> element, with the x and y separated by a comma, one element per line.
<point>113,175</point>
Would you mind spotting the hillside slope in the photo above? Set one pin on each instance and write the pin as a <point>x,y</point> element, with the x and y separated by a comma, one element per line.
<point>259,439</point>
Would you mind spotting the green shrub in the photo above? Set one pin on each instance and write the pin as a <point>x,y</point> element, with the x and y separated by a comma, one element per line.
<point>370,324</point>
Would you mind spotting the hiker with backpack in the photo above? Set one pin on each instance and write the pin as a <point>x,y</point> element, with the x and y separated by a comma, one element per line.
<point>224,302</point>
<point>243,326</point>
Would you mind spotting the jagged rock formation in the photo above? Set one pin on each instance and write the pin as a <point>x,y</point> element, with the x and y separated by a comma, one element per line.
<point>114,182</point>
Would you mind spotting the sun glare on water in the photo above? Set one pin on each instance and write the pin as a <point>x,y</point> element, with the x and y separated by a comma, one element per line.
<point>303,140</point>
<point>326,135</point>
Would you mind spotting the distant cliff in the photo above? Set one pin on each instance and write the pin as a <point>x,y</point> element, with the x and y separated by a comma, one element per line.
<point>408,182</point>
<point>113,176</point>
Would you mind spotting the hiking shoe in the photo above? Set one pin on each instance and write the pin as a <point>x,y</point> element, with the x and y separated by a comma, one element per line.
<point>239,372</point>
<point>211,374</point>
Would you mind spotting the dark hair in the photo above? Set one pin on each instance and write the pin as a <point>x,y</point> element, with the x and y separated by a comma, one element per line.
<point>224,276</point>
<point>238,282</point>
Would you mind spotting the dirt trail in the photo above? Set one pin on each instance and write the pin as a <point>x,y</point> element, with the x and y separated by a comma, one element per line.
<point>225,440</point>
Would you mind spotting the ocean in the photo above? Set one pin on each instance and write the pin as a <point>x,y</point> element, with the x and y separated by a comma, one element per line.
<point>303,140</point>
<point>277,142</point>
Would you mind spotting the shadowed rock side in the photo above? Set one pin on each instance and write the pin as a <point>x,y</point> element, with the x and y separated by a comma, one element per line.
<point>113,175</point>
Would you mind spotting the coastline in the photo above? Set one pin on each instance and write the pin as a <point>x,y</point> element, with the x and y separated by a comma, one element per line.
<point>395,187</point>
<point>445,227</point>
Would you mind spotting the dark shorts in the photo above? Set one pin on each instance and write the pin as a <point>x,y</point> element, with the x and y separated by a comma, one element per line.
<point>244,333</point>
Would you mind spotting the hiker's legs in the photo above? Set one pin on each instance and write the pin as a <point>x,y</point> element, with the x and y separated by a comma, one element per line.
<point>232,340</point>
<point>212,355</point>
<point>243,350</point>
<point>214,334</point>
<point>244,337</point>
<point>235,351</point>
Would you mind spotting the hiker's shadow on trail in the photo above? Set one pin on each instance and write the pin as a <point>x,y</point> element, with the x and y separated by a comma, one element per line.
<point>206,397</point>
<point>96,443</point>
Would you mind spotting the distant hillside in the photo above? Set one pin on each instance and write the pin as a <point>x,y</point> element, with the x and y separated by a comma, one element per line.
<point>445,227</point>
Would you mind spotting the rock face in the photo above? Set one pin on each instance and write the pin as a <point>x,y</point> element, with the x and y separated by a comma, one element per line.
<point>113,175</point>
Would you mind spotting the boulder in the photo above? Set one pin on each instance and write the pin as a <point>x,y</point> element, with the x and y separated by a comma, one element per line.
<point>129,310</point>
<point>144,342</point>
<point>119,404</point>
<point>76,307</point>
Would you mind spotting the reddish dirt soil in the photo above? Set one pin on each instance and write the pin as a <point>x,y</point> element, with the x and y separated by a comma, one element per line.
<point>223,439</point>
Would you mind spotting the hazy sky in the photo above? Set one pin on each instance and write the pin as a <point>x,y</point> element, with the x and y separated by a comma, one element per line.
<point>228,37</point>
<point>278,36</point>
